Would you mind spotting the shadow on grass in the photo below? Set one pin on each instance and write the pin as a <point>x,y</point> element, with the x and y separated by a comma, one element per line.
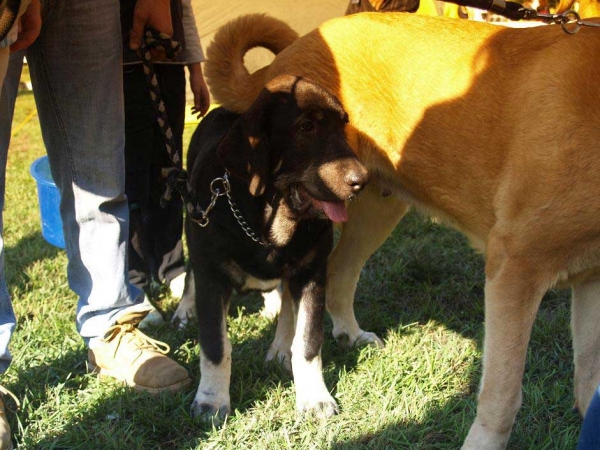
<point>27,251</point>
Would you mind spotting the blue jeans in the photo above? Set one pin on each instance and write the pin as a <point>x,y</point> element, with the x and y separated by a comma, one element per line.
<point>589,438</point>
<point>76,73</point>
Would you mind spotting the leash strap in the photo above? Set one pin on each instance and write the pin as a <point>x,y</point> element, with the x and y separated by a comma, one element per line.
<point>176,176</point>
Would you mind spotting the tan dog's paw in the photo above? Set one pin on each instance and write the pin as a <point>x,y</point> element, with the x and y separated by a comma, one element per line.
<point>281,355</point>
<point>480,437</point>
<point>362,338</point>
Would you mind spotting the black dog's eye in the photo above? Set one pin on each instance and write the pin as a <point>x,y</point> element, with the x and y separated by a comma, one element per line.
<point>307,126</point>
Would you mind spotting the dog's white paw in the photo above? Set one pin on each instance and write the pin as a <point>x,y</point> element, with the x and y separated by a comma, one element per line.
<point>281,355</point>
<point>480,437</point>
<point>186,310</point>
<point>362,338</point>
<point>319,403</point>
<point>210,407</point>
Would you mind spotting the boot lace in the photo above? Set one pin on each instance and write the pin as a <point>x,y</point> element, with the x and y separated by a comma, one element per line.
<point>139,339</point>
<point>4,391</point>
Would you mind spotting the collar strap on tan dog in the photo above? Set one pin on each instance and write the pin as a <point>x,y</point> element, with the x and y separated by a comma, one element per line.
<point>570,21</point>
<point>200,216</point>
<point>508,9</point>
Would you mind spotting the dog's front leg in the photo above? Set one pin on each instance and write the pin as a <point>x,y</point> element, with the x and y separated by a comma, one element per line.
<point>512,298</point>
<point>361,236</point>
<point>212,400</point>
<point>311,393</point>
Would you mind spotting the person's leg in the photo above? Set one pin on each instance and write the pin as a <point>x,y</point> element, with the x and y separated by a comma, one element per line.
<point>78,85</point>
<point>167,222</point>
<point>76,72</point>
<point>140,121</point>
<point>8,95</point>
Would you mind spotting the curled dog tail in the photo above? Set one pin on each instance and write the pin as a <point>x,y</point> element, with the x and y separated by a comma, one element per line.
<point>230,82</point>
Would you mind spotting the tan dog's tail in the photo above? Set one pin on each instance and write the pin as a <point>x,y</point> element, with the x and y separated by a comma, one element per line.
<point>230,82</point>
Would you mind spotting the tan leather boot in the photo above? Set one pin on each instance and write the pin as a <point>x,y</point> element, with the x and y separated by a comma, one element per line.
<point>129,355</point>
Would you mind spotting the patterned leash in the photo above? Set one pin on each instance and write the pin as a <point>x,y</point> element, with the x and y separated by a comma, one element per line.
<point>176,176</point>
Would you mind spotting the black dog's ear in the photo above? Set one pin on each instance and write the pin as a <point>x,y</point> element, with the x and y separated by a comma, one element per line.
<point>244,151</point>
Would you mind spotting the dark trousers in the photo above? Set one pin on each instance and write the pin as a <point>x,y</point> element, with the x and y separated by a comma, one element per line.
<point>155,247</point>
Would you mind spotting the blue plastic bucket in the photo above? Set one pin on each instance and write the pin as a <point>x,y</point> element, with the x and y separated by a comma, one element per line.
<point>49,200</point>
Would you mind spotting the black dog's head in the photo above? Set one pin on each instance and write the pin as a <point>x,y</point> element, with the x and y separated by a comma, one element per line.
<point>292,138</point>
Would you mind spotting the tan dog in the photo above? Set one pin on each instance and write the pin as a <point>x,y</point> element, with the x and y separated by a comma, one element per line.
<point>492,130</point>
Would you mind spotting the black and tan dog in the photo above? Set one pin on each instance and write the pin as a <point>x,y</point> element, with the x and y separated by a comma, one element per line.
<point>289,172</point>
<point>492,130</point>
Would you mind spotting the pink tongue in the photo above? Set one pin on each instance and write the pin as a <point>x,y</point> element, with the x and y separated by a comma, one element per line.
<point>335,211</point>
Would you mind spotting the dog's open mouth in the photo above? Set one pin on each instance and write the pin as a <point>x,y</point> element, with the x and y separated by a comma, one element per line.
<point>303,203</point>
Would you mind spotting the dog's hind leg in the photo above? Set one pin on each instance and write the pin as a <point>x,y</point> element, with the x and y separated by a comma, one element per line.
<point>186,309</point>
<point>361,236</point>
<point>272,303</point>
<point>281,348</point>
<point>585,320</point>
<point>512,298</point>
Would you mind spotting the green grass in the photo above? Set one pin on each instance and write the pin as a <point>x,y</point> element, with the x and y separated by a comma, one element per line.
<point>422,292</point>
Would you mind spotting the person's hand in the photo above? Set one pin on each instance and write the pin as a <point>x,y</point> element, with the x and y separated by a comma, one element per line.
<point>199,89</point>
<point>30,25</point>
<point>153,13</point>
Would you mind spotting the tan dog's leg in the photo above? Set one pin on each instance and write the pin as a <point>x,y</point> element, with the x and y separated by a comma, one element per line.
<point>281,348</point>
<point>585,321</point>
<point>372,218</point>
<point>512,298</point>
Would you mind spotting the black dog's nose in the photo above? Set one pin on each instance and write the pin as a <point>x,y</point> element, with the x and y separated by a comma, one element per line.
<point>357,179</point>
